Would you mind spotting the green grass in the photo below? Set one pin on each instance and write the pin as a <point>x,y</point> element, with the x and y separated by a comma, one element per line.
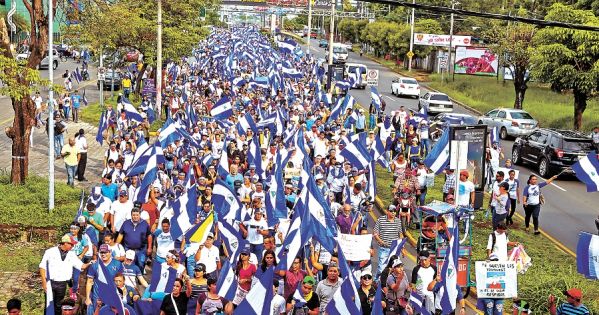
<point>552,271</point>
<point>552,110</point>
<point>27,205</point>
<point>22,256</point>
<point>91,114</point>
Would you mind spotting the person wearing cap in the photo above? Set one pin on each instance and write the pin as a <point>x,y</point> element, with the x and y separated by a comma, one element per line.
<point>326,288</point>
<point>245,272</point>
<point>466,190</point>
<point>311,302</point>
<point>120,211</point>
<point>423,274</point>
<point>209,256</point>
<point>58,262</point>
<point>367,292</point>
<point>83,248</point>
<point>71,156</point>
<point>572,306</point>
<point>397,288</point>
<point>13,306</point>
<point>500,204</point>
<point>360,121</point>
<point>135,235</point>
<point>254,231</point>
<point>131,272</point>
<point>387,229</point>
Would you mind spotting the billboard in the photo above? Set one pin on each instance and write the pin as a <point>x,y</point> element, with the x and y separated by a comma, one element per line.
<point>475,61</point>
<point>441,40</point>
<point>476,139</point>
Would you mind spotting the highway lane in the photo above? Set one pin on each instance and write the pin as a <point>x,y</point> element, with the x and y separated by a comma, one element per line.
<point>568,208</point>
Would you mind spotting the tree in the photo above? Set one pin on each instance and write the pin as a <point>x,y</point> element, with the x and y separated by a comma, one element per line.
<point>568,58</point>
<point>513,44</point>
<point>18,82</point>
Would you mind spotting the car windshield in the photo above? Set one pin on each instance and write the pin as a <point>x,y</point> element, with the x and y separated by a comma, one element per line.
<point>520,115</point>
<point>578,145</point>
<point>339,50</point>
<point>440,97</point>
<point>352,69</point>
<point>409,81</point>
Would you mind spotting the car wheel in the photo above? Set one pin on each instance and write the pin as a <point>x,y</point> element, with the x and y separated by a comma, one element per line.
<point>54,65</point>
<point>544,168</point>
<point>503,133</point>
<point>516,156</point>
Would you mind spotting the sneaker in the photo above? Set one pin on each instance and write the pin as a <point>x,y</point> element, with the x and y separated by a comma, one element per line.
<point>537,232</point>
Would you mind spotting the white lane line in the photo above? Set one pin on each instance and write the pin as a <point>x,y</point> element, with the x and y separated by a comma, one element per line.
<point>552,184</point>
<point>389,97</point>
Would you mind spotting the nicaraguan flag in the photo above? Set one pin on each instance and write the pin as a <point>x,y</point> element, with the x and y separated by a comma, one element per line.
<point>49,295</point>
<point>107,290</point>
<point>342,302</point>
<point>222,109</point>
<point>417,303</point>
<point>341,107</point>
<point>343,85</point>
<point>223,161</point>
<point>140,159</point>
<point>449,273</point>
<point>227,282</point>
<point>228,205</point>
<point>85,102</point>
<point>163,278</point>
<point>587,169</point>
<point>276,206</point>
<point>346,271</point>
<point>371,189</point>
<point>102,126</point>
<point>494,135</point>
<point>377,304</point>
<point>246,122</point>
<point>376,98</point>
<point>587,255</point>
<point>255,156</point>
<point>258,300</point>
<point>186,210</point>
<point>287,46</point>
<point>438,158</point>
<point>77,75</point>
<point>356,154</point>
<point>233,240</point>
<point>351,120</point>
<point>396,248</point>
<point>130,111</point>
<point>296,237</point>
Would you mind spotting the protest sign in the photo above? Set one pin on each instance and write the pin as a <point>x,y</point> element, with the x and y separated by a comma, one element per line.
<point>496,279</point>
<point>355,247</point>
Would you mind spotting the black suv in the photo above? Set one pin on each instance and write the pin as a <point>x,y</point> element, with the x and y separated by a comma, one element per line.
<point>552,150</point>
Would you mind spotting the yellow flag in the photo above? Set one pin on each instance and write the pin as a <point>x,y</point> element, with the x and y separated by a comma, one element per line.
<point>199,233</point>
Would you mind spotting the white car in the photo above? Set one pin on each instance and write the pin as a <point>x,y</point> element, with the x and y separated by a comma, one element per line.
<point>405,86</point>
<point>45,62</point>
<point>434,102</point>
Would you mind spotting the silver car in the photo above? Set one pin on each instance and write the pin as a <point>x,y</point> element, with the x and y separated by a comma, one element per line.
<point>511,122</point>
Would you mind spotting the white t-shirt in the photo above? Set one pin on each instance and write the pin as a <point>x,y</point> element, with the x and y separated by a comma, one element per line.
<point>278,304</point>
<point>465,188</point>
<point>500,248</point>
<point>209,257</point>
<point>121,212</point>
<point>252,226</point>
<point>164,243</point>
<point>81,144</point>
<point>117,250</point>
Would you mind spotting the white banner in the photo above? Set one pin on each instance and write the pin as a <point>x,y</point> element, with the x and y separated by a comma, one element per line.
<point>496,279</point>
<point>441,40</point>
<point>355,247</point>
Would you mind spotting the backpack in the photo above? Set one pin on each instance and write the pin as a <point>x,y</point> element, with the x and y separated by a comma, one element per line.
<point>494,239</point>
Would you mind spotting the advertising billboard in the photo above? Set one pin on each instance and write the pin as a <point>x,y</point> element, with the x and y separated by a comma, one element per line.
<point>475,61</point>
<point>441,40</point>
<point>476,138</point>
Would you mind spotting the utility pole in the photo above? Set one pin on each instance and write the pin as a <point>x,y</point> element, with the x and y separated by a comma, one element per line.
<point>51,107</point>
<point>411,53</point>
<point>102,81</point>
<point>449,64</point>
<point>332,32</point>
<point>309,24</point>
<point>159,63</point>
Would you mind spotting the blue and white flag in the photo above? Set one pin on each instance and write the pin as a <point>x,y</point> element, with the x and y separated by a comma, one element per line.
<point>438,158</point>
<point>233,240</point>
<point>228,205</point>
<point>448,293</point>
<point>223,109</point>
<point>102,126</point>
<point>377,303</point>
<point>276,205</point>
<point>343,302</point>
<point>246,123</point>
<point>186,209</point>
<point>343,85</point>
<point>376,98</point>
<point>49,295</point>
<point>298,297</point>
<point>287,46</point>
<point>163,278</point>
<point>150,174</point>
<point>254,156</point>
<point>107,290</point>
<point>587,255</point>
<point>587,171</point>
<point>296,237</point>
<point>417,303</point>
<point>341,107</point>
<point>84,98</point>
<point>227,281</point>
<point>258,300</point>
<point>494,135</point>
<point>77,75</point>
<point>396,248</point>
<point>356,154</point>
<point>130,111</point>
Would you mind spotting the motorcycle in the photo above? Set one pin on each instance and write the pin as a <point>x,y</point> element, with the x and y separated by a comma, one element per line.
<point>85,74</point>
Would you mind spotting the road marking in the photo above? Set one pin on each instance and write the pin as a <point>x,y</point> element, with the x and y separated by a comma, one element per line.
<point>389,97</point>
<point>5,121</point>
<point>552,184</point>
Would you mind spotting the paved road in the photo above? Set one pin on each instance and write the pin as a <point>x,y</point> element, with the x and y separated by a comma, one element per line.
<point>568,208</point>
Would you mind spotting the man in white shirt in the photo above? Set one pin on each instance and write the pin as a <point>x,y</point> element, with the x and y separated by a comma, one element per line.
<point>58,263</point>
<point>422,275</point>
<point>208,255</point>
<point>120,211</point>
<point>278,301</point>
<point>254,231</point>
<point>466,190</point>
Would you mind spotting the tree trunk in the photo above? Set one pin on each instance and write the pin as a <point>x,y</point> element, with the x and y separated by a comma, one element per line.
<point>520,86</point>
<point>20,133</point>
<point>580,104</point>
<point>139,77</point>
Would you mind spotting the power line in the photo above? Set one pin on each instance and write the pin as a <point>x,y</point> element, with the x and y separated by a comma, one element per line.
<point>495,16</point>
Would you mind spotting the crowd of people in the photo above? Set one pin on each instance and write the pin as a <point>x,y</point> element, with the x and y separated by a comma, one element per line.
<point>253,143</point>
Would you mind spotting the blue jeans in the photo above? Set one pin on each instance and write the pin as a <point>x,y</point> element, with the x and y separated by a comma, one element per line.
<point>71,170</point>
<point>383,256</point>
<point>66,110</point>
<point>191,264</point>
<point>498,218</point>
<point>425,144</point>
<point>422,196</point>
<point>493,306</point>
<point>58,144</point>
<point>257,249</point>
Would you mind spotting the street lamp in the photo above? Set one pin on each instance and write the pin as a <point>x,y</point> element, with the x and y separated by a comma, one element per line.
<point>159,62</point>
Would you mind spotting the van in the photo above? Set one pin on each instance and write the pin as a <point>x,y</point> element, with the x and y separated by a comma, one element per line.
<point>358,71</point>
<point>339,53</point>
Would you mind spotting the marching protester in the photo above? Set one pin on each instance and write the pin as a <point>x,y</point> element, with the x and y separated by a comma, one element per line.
<point>532,201</point>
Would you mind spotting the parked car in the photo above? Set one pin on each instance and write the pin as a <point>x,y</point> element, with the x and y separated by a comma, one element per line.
<point>405,86</point>
<point>109,78</point>
<point>45,63</point>
<point>434,102</point>
<point>348,45</point>
<point>511,122</point>
<point>323,43</point>
<point>445,119</point>
<point>552,150</point>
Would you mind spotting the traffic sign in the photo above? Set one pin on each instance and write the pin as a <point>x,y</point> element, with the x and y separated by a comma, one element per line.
<point>101,76</point>
<point>410,54</point>
<point>372,77</point>
<point>101,70</point>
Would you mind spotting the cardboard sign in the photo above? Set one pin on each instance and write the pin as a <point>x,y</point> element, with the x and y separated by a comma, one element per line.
<point>496,279</point>
<point>355,247</point>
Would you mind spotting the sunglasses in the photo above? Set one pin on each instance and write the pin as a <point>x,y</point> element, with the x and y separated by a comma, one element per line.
<point>367,277</point>
<point>244,254</point>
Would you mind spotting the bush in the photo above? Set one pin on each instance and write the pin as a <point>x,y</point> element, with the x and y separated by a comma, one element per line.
<point>27,205</point>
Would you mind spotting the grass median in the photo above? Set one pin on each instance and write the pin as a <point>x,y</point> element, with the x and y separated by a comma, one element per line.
<point>552,269</point>
<point>91,114</point>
